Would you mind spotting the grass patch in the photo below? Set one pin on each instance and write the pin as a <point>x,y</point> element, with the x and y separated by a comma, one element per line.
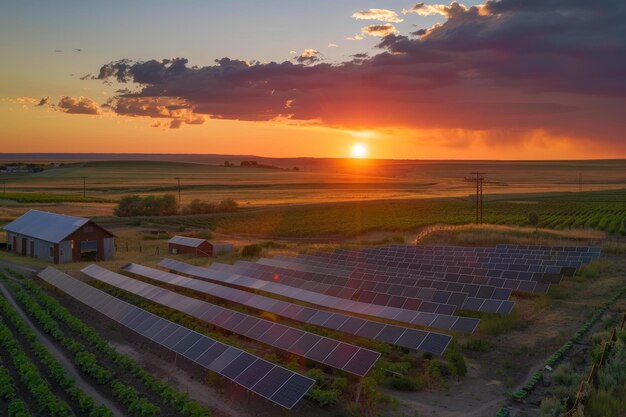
<point>495,324</point>
<point>594,269</point>
<point>52,198</point>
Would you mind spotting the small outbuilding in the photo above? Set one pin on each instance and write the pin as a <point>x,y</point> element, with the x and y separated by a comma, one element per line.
<point>59,238</point>
<point>197,247</point>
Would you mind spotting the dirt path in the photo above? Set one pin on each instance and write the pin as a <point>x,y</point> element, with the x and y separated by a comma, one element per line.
<point>62,358</point>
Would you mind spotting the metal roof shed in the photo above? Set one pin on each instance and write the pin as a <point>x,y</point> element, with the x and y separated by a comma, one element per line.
<point>59,238</point>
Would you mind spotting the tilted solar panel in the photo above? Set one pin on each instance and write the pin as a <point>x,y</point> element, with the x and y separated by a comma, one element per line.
<point>272,382</point>
<point>412,338</point>
<point>420,318</point>
<point>268,332</point>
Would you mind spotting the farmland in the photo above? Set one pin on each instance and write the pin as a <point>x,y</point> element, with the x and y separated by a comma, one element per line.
<point>602,210</point>
<point>335,197</point>
<point>98,381</point>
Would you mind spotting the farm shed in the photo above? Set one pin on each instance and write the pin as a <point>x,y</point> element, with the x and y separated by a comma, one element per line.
<point>59,238</point>
<point>198,247</point>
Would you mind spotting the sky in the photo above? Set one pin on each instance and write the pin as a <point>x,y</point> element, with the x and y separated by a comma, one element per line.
<point>505,79</point>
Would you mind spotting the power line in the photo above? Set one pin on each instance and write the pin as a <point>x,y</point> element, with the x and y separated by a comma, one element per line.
<point>178,179</point>
<point>479,179</point>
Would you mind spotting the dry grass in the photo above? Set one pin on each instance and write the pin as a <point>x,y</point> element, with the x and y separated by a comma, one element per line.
<point>489,235</point>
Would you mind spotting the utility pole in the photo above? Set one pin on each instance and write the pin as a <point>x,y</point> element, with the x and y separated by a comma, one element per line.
<point>178,179</point>
<point>479,179</point>
<point>580,182</point>
<point>84,187</point>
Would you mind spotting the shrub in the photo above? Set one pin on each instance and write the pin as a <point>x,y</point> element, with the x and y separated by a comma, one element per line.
<point>251,250</point>
<point>477,345</point>
<point>551,407</point>
<point>134,205</point>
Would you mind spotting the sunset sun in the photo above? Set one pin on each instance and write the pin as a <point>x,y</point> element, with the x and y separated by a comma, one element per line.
<point>359,150</point>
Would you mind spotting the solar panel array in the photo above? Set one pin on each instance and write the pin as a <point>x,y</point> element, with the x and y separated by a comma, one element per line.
<point>380,290</point>
<point>421,340</point>
<point>330,352</point>
<point>272,382</point>
<point>418,318</point>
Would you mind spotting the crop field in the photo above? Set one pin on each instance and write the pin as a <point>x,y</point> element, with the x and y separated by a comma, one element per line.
<point>601,210</point>
<point>335,197</point>
<point>316,181</point>
<point>71,371</point>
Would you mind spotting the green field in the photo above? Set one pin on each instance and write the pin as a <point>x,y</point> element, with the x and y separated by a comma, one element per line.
<point>604,210</point>
<point>336,197</point>
<point>316,181</point>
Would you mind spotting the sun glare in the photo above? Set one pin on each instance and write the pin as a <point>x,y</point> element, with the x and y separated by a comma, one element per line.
<point>359,150</point>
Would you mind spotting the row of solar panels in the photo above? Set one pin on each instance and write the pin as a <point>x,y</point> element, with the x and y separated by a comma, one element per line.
<point>362,269</point>
<point>279,385</point>
<point>439,265</point>
<point>369,280</point>
<point>464,296</point>
<point>371,270</point>
<point>478,298</point>
<point>418,318</point>
<point>308,345</point>
<point>490,255</point>
<point>395,335</point>
<point>502,248</point>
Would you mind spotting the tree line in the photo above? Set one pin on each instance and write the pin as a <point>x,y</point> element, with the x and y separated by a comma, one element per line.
<point>167,205</point>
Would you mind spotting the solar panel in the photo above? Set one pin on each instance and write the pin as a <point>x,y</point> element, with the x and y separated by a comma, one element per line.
<point>388,313</point>
<point>273,381</point>
<point>268,332</point>
<point>334,321</point>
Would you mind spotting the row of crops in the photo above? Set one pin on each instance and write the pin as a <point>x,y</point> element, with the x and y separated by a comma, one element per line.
<point>609,217</point>
<point>42,386</point>
<point>521,394</point>
<point>350,219</point>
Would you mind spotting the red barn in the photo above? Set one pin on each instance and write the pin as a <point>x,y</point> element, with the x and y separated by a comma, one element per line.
<point>198,247</point>
<point>59,238</point>
<point>190,245</point>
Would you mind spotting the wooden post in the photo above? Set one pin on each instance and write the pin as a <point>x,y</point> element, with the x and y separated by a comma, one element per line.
<point>359,388</point>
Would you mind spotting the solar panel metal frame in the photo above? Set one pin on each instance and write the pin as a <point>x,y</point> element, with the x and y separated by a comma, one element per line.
<point>82,291</point>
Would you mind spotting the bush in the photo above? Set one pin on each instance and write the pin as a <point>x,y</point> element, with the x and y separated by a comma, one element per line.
<point>134,205</point>
<point>456,363</point>
<point>477,345</point>
<point>251,250</point>
<point>196,206</point>
<point>551,407</point>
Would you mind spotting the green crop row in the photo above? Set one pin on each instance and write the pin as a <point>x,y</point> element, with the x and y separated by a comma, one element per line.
<point>55,370</point>
<point>523,393</point>
<point>169,395</point>
<point>16,407</point>
<point>84,360</point>
<point>45,400</point>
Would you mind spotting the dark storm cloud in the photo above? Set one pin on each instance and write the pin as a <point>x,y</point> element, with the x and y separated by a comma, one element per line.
<point>512,64</point>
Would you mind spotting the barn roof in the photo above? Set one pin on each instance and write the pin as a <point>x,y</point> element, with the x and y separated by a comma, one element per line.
<point>187,241</point>
<point>42,225</point>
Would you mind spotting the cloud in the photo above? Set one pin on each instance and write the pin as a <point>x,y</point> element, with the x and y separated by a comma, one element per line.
<point>436,9</point>
<point>25,100</point>
<point>179,111</point>
<point>44,101</point>
<point>332,45</point>
<point>356,37</point>
<point>379,30</point>
<point>553,66</point>
<point>383,15</point>
<point>80,105</point>
<point>308,56</point>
